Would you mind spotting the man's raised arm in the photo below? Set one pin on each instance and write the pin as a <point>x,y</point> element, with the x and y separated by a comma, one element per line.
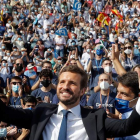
<point>15,116</point>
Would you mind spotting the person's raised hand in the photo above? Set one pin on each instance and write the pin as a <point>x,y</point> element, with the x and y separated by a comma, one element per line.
<point>11,132</point>
<point>76,54</point>
<point>115,52</point>
<point>20,90</point>
<point>69,56</point>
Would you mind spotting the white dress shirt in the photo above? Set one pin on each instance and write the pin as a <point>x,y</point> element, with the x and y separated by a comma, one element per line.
<point>60,40</point>
<point>75,127</point>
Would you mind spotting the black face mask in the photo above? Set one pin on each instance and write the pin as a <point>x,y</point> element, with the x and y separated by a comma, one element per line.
<point>19,68</point>
<point>46,83</point>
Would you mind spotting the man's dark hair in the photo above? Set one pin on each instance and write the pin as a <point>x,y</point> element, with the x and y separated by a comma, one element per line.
<point>46,73</point>
<point>29,99</point>
<point>130,80</point>
<point>48,62</point>
<point>3,60</point>
<point>107,58</point>
<point>77,70</point>
<point>16,78</point>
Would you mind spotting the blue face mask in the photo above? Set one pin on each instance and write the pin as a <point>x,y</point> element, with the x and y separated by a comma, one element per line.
<point>19,39</point>
<point>15,88</point>
<point>3,47</point>
<point>139,40</point>
<point>82,32</point>
<point>4,64</point>
<point>136,46</point>
<point>22,53</point>
<point>49,50</point>
<point>136,52</point>
<point>122,105</point>
<point>73,37</point>
<point>99,37</point>
<point>88,50</point>
<point>73,43</point>
<point>30,108</point>
<point>103,31</point>
<point>100,52</point>
<point>39,26</point>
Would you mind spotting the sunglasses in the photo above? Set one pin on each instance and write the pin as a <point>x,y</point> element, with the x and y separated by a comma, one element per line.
<point>15,83</point>
<point>129,47</point>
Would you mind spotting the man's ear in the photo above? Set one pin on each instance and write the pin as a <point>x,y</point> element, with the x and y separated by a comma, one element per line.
<point>83,91</point>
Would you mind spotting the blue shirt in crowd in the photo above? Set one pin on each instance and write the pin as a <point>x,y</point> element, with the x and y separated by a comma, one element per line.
<point>39,93</point>
<point>94,101</point>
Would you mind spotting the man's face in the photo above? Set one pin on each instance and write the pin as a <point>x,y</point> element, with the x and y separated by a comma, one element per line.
<point>44,78</point>
<point>68,89</point>
<point>107,63</point>
<point>19,62</point>
<point>104,38</point>
<point>15,82</point>
<point>47,66</point>
<point>104,77</point>
<point>29,104</point>
<point>124,93</point>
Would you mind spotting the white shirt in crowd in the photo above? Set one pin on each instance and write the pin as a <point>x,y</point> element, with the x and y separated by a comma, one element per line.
<point>84,59</point>
<point>75,127</point>
<point>60,40</point>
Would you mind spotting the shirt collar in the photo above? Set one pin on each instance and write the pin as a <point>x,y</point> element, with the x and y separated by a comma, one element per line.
<point>75,110</point>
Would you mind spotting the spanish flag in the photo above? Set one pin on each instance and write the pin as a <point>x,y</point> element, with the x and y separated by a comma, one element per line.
<point>116,27</point>
<point>101,17</point>
<point>116,12</point>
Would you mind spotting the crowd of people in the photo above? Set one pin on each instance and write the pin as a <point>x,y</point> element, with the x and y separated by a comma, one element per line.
<point>40,38</point>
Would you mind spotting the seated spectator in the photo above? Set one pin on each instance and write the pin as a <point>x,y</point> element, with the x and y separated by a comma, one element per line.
<point>107,66</point>
<point>105,98</point>
<point>31,74</point>
<point>19,72</point>
<point>45,77</point>
<point>17,92</point>
<point>37,84</point>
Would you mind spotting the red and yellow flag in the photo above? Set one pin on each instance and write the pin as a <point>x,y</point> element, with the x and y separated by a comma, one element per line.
<point>116,12</point>
<point>103,17</point>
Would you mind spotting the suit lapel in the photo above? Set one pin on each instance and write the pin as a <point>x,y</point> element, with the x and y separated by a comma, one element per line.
<point>45,116</point>
<point>89,121</point>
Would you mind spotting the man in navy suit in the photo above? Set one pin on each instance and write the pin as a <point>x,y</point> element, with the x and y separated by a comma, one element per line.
<point>84,124</point>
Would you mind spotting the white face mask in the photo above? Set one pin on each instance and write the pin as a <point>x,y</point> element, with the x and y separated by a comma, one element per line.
<point>127,51</point>
<point>108,69</point>
<point>104,85</point>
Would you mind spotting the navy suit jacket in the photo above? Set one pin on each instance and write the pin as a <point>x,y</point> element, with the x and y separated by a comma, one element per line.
<point>96,123</point>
